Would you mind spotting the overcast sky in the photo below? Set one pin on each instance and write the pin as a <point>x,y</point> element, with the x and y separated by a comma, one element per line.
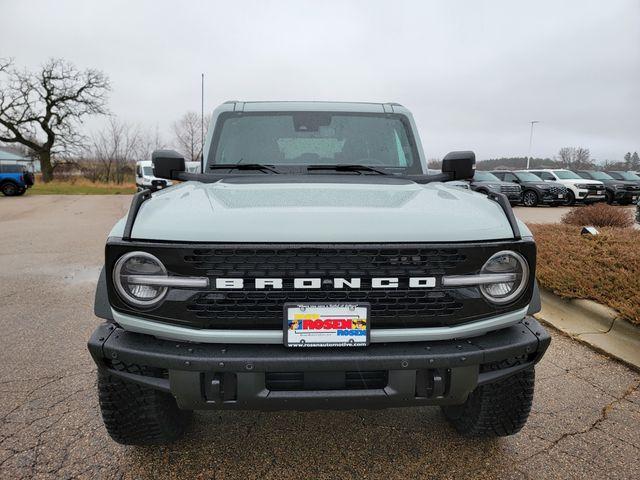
<point>473,73</point>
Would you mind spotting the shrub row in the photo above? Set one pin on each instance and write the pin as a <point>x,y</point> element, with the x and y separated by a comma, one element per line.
<point>604,268</point>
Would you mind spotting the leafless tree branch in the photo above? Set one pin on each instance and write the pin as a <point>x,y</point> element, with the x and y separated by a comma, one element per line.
<point>44,110</point>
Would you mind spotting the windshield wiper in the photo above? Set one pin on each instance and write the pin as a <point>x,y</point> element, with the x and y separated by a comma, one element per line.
<point>347,168</point>
<point>243,166</point>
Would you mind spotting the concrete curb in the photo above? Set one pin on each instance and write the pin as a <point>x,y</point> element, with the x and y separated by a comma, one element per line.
<point>594,324</point>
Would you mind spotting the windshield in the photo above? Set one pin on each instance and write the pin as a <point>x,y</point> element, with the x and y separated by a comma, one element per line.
<point>567,175</point>
<point>600,176</point>
<point>485,177</point>
<point>315,138</point>
<point>527,177</point>
<point>147,171</point>
<point>628,175</point>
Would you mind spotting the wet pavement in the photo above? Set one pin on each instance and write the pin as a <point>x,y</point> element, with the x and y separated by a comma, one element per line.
<point>585,421</point>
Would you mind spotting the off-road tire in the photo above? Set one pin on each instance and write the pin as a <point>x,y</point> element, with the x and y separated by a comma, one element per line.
<point>495,410</point>
<point>137,415</point>
<point>9,189</point>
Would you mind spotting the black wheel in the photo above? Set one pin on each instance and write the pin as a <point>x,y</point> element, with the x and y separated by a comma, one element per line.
<point>9,189</point>
<point>21,191</point>
<point>530,198</point>
<point>138,415</point>
<point>495,410</point>
<point>571,198</point>
<point>609,198</point>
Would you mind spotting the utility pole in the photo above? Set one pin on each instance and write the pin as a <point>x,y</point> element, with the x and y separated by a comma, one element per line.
<point>533,122</point>
<point>202,125</point>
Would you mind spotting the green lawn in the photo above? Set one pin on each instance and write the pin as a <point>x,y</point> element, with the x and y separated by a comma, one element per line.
<point>80,188</point>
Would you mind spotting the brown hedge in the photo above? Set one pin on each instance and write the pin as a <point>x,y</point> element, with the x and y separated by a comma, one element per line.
<point>599,215</point>
<point>604,268</point>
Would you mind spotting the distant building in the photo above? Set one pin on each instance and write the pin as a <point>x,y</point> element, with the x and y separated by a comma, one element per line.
<point>8,155</point>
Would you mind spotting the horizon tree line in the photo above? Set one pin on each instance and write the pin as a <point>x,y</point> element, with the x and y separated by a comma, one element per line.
<point>42,112</point>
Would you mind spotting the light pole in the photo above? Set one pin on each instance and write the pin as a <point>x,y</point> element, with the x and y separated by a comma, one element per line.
<point>533,122</point>
<point>202,125</point>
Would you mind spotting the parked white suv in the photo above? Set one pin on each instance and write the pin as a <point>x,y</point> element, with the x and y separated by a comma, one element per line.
<point>578,189</point>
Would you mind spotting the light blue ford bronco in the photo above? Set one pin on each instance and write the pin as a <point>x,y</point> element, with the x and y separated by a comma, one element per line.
<point>316,263</point>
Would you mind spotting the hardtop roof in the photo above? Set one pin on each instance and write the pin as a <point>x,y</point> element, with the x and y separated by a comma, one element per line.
<point>319,106</point>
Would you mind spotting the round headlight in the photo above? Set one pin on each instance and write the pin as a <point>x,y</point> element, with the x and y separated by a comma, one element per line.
<point>128,277</point>
<point>505,262</point>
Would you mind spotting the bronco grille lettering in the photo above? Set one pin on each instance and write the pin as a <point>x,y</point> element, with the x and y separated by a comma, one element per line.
<point>316,283</point>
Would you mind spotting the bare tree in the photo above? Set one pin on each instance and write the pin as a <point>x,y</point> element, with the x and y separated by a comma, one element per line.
<point>434,163</point>
<point>566,156</point>
<point>149,142</point>
<point>575,158</point>
<point>43,110</point>
<point>116,148</point>
<point>582,158</point>
<point>188,135</point>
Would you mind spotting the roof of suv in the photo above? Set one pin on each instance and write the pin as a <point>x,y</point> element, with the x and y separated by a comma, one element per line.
<point>286,106</point>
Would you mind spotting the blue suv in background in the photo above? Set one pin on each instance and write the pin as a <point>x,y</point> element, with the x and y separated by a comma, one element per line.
<point>14,179</point>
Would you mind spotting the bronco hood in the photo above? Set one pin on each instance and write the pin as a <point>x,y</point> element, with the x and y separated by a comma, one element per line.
<point>379,210</point>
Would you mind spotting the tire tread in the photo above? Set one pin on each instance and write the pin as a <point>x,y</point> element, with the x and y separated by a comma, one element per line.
<point>495,410</point>
<point>137,415</point>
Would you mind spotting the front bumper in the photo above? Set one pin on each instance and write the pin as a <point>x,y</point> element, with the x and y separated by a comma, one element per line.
<point>590,196</point>
<point>548,198</point>
<point>629,196</point>
<point>273,377</point>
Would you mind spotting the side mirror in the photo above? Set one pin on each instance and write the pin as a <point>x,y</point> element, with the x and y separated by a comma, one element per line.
<point>167,164</point>
<point>459,165</point>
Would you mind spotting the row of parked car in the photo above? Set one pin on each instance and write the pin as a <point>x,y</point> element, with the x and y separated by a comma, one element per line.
<point>555,187</point>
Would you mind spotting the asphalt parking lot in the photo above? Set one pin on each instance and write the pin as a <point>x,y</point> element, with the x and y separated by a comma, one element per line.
<point>585,421</point>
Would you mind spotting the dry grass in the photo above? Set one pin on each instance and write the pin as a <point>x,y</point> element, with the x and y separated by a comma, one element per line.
<point>604,268</point>
<point>599,215</point>
<point>80,186</point>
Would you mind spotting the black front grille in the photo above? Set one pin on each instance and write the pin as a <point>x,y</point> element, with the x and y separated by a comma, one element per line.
<point>388,307</point>
<point>322,262</point>
<point>252,308</point>
<point>594,187</point>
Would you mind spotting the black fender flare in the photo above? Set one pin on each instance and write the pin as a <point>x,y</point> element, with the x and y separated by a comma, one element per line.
<point>101,305</point>
<point>535,305</point>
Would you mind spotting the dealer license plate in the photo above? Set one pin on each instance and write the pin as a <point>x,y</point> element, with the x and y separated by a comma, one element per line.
<point>326,325</point>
